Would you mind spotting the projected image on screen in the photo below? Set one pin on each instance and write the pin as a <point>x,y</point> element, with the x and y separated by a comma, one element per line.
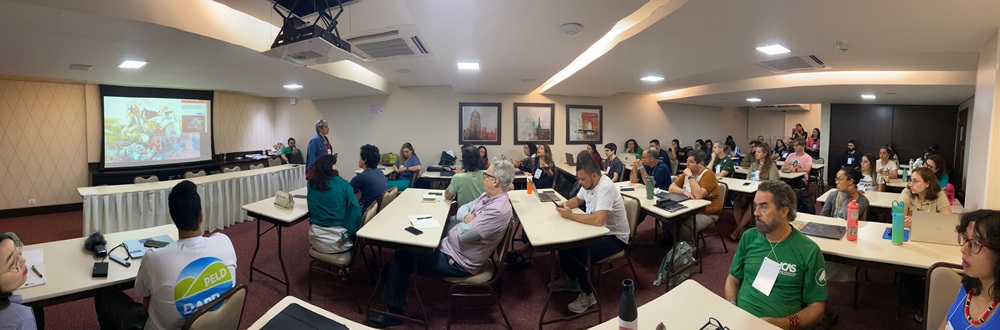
<point>154,131</point>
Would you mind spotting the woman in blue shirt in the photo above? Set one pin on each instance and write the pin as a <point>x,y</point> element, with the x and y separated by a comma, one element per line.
<point>936,164</point>
<point>406,167</point>
<point>544,172</point>
<point>14,269</point>
<point>977,300</point>
<point>334,211</point>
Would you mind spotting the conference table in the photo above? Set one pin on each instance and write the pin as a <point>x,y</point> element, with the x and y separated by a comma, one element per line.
<point>388,230</point>
<point>297,323</point>
<point>549,232</point>
<point>265,211</point>
<point>783,175</point>
<point>691,306</point>
<point>110,209</point>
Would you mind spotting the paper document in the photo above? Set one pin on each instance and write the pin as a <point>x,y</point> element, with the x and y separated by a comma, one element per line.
<point>88,191</point>
<point>36,259</point>
<point>423,221</point>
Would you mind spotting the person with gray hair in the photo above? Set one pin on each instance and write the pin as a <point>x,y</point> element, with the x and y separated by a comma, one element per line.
<point>319,145</point>
<point>472,237</point>
<point>795,264</point>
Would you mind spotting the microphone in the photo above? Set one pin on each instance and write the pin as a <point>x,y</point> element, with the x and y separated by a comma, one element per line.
<point>96,245</point>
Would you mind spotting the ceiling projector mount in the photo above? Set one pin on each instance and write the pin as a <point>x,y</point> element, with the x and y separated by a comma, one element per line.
<point>309,34</point>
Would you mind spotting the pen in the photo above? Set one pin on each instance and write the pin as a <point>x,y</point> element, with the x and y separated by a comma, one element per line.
<point>423,218</point>
<point>36,271</point>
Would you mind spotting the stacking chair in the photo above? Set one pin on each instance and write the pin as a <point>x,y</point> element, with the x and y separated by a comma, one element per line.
<point>489,275</point>
<point>257,166</point>
<point>146,179</point>
<point>414,178</point>
<point>225,317</point>
<point>232,169</point>
<point>193,174</point>
<point>338,265</point>
<point>943,282</point>
<point>632,214</point>
<point>723,192</point>
<point>273,162</point>
<point>818,178</point>
<point>387,197</point>
<point>673,166</point>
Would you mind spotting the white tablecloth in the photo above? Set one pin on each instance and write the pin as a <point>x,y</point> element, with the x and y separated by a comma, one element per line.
<point>117,208</point>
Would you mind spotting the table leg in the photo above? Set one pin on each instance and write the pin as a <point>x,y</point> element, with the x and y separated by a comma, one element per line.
<point>255,249</point>
<point>600,314</point>
<point>548,297</point>
<point>281,261</point>
<point>413,284</point>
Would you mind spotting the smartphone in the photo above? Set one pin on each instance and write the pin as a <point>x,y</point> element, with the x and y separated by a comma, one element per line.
<point>154,243</point>
<point>746,183</point>
<point>555,203</point>
<point>414,230</point>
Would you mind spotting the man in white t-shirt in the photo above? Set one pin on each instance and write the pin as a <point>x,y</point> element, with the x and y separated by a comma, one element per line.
<point>175,280</point>
<point>605,207</point>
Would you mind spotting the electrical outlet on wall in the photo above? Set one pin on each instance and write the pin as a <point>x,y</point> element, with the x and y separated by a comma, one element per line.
<point>32,201</point>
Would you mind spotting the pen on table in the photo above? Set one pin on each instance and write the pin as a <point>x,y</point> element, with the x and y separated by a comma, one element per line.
<point>424,218</point>
<point>36,271</point>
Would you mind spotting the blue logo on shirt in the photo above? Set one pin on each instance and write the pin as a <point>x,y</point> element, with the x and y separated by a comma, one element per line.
<point>201,282</point>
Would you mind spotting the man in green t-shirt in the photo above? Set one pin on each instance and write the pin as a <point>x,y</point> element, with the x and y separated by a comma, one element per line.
<point>467,185</point>
<point>721,164</point>
<point>795,262</point>
<point>288,151</point>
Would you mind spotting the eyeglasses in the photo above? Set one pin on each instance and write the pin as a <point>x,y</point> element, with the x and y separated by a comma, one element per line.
<point>975,246</point>
<point>713,324</point>
<point>489,176</point>
<point>16,267</point>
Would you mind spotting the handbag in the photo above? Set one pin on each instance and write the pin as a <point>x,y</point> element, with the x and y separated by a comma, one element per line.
<point>284,200</point>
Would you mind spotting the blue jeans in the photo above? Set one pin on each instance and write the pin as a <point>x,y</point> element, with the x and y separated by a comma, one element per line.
<point>436,264</point>
<point>572,260</point>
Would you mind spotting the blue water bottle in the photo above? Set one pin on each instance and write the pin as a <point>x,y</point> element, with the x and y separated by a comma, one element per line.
<point>898,218</point>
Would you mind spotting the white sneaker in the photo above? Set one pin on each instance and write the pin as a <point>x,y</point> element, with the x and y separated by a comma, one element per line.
<point>564,284</point>
<point>582,303</point>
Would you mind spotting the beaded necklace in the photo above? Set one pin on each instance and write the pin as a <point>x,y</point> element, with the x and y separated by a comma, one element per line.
<point>982,319</point>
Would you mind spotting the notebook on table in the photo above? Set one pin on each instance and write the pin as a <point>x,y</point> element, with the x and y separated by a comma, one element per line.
<point>672,196</point>
<point>298,317</point>
<point>823,230</point>
<point>548,197</point>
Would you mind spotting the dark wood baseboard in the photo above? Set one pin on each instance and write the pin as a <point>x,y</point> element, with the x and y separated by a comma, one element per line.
<point>40,210</point>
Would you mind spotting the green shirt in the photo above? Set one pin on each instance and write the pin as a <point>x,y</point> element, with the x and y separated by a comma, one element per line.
<point>638,152</point>
<point>288,151</point>
<point>335,207</point>
<point>724,164</point>
<point>466,186</point>
<point>801,278</point>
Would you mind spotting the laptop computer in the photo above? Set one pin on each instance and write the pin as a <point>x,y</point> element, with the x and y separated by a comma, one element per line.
<point>937,228</point>
<point>824,230</point>
<point>570,160</point>
<point>135,248</point>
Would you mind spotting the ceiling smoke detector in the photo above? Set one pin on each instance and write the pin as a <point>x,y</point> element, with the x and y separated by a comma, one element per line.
<point>571,29</point>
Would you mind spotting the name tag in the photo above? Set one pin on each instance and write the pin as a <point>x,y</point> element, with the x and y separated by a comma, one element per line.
<point>850,160</point>
<point>538,174</point>
<point>718,168</point>
<point>766,276</point>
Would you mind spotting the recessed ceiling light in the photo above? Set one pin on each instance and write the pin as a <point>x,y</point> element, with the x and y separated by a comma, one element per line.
<point>773,49</point>
<point>753,99</point>
<point>468,66</point>
<point>293,86</point>
<point>651,78</point>
<point>131,64</point>
<point>868,96</point>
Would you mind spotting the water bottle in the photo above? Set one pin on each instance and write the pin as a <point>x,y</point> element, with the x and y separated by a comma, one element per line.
<point>852,221</point>
<point>531,187</point>
<point>628,315</point>
<point>649,187</point>
<point>949,191</point>
<point>898,218</point>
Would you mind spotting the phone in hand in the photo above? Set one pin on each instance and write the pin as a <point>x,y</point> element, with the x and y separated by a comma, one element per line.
<point>414,230</point>
<point>154,243</point>
<point>555,203</point>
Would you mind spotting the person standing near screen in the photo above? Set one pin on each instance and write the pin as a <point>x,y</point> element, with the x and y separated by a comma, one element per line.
<point>290,150</point>
<point>319,145</point>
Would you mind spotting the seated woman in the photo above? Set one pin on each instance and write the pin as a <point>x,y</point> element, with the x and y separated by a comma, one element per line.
<point>529,161</point>
<point>936,164</point>
<point>721,164</point>
<point>762,169</point>
<point>780,150</point>
<point>467,185</point>
<point>867,173</point>
<point>484,156</point>
<point>15,272</point>
<point>885,167</point>
<point>334,212</point>
<point>922,161</point>
<point>592,148</point>
<point>698,143</point>
<point>544,172</point>
<point>406,167</point>
<point>975,305</point>
<point>924,194</point>
<point>847,190</point>
<point>633,147</point>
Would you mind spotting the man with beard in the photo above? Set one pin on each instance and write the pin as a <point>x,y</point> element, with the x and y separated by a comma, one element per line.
<point>777,269</point>
<point>851,157</point>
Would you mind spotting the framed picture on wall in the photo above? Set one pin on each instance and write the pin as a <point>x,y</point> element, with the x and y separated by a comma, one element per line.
<point>584,124</point>
<point>533,123</point>
<point>478,123</point>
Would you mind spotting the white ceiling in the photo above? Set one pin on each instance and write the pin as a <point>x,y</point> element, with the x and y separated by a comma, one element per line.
<point>519,46</point>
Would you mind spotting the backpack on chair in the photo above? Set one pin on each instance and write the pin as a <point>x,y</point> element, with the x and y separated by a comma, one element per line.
<point>805,202</point>
<point>388,159</point>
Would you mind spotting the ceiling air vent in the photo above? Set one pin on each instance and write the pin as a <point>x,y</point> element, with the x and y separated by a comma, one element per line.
<point>783,107</point>
<point>795,64</point>
<point>392,42</point>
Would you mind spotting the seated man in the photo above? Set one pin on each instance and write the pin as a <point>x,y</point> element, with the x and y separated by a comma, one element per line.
<point>465,248</point>
<point>467,185</point>
<point>615,166</point>
<point>697,182</point>
<point>799,161</point>
<point>371,182</point>
<point>605,207</point>
<point>796,261</point>
<point>658,152</point>
<point>163,269</point>
<point>749,158</point>
<point>659,170</point>
<point>287,152</point>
